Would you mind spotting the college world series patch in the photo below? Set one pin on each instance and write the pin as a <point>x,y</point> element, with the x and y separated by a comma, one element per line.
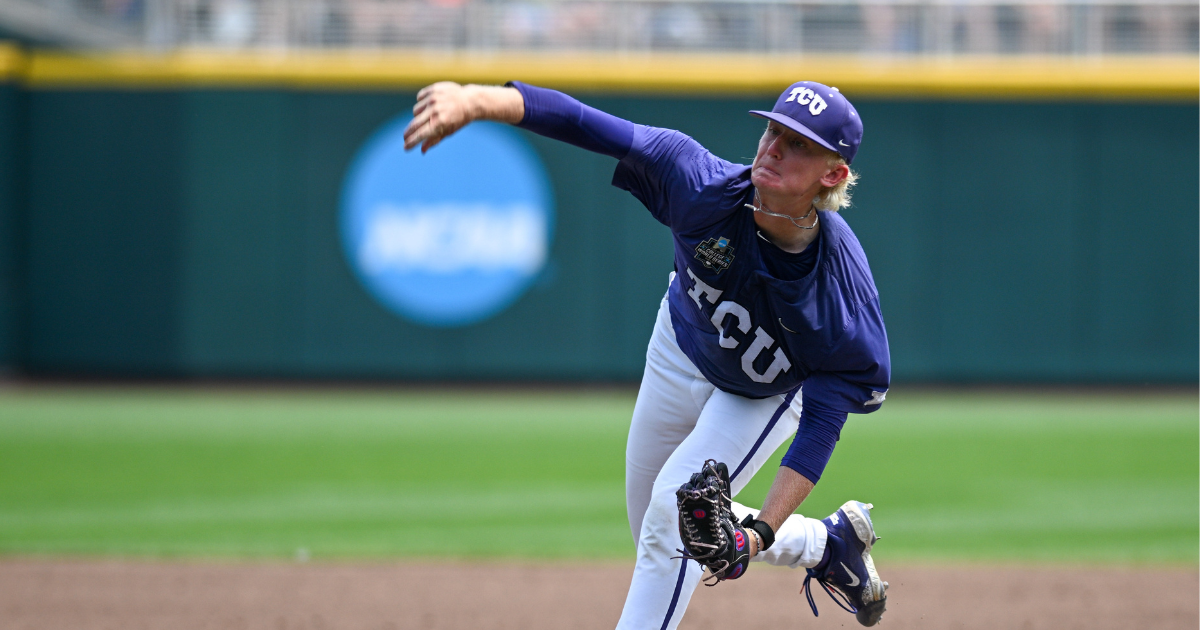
<point>715,253</point>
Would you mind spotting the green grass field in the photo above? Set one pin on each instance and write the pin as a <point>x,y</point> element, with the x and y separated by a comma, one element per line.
<point>1020,476</point>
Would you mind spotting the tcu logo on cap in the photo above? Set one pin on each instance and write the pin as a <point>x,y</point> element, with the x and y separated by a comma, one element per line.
<point>805,96</point>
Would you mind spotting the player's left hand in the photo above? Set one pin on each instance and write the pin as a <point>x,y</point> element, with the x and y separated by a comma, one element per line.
<point>707,527</point>
<point>442,109</point>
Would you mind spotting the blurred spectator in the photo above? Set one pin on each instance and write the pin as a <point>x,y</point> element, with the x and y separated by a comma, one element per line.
<point>123,10</point>
<point>335,25</point>
<point>1044,29</point>
<point>1124,29</point>
<point>233,22</point>
<point>677,26</point>
<point>525,25</point>
<point>833,27</point>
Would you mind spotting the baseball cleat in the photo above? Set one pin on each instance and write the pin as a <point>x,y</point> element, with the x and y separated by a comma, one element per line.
<point>849,570</point>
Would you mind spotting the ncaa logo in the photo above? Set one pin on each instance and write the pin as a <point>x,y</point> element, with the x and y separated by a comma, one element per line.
<point>452,237</point>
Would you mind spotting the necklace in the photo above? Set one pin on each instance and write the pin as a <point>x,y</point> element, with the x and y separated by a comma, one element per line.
<point>760,208</point>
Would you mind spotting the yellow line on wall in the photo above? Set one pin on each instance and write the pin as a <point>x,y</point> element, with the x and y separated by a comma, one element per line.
<point>12,62</point>
<point>1016,77</point>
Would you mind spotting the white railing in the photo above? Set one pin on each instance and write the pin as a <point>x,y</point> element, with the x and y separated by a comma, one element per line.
<point>896,27</point>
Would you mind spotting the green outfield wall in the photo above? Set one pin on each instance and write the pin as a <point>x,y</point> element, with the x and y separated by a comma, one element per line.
<point>192,230</point>
<point>12,228</point>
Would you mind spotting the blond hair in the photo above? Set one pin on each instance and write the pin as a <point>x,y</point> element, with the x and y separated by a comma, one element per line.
<point>836,197</point>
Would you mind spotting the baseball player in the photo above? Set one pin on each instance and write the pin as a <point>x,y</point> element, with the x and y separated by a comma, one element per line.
<point>770,329</point>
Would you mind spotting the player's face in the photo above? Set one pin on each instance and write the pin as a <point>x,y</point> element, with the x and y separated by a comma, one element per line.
<point>790,164</point>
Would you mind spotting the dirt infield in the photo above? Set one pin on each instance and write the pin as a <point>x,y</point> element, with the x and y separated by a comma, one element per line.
<point>81,595</point>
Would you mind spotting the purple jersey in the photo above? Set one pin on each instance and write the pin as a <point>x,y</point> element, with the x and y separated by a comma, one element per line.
<point>748,332</point>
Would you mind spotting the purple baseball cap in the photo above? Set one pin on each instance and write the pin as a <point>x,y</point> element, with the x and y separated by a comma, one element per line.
<point>821,113</point>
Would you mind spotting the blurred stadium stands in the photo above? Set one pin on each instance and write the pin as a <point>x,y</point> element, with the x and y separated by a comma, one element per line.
<point>890,27</point>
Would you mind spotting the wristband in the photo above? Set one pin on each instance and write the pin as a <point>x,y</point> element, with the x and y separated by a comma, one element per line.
<point>764,531</point>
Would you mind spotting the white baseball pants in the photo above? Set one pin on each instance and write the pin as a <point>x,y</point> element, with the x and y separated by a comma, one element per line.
<point>680,420</point>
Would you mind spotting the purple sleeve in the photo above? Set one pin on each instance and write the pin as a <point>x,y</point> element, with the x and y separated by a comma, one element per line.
<point>558,116</point>
<point>680,182</point>
<point>820,428</point>
<point>854,378</point>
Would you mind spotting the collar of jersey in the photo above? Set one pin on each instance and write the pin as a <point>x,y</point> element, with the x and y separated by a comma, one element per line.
<point>830,232</point>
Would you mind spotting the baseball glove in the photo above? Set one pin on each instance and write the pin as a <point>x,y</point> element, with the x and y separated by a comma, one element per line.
<point>710,533</point>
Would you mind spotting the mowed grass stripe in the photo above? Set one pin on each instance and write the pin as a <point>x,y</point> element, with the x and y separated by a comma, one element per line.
<point>337,523</point>
<point>343,473</point>
<point>332,505</point>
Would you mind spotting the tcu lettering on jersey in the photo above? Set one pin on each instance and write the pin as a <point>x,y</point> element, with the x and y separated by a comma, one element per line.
<point>742,321</point>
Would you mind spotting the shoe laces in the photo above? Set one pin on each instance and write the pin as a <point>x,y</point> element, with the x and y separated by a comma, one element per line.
<point>835,593</point>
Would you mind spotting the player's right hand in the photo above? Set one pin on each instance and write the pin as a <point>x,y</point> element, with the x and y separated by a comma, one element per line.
<point>442,109</point>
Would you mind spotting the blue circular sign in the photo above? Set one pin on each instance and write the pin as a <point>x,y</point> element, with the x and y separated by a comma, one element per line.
<point>451,237</point>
